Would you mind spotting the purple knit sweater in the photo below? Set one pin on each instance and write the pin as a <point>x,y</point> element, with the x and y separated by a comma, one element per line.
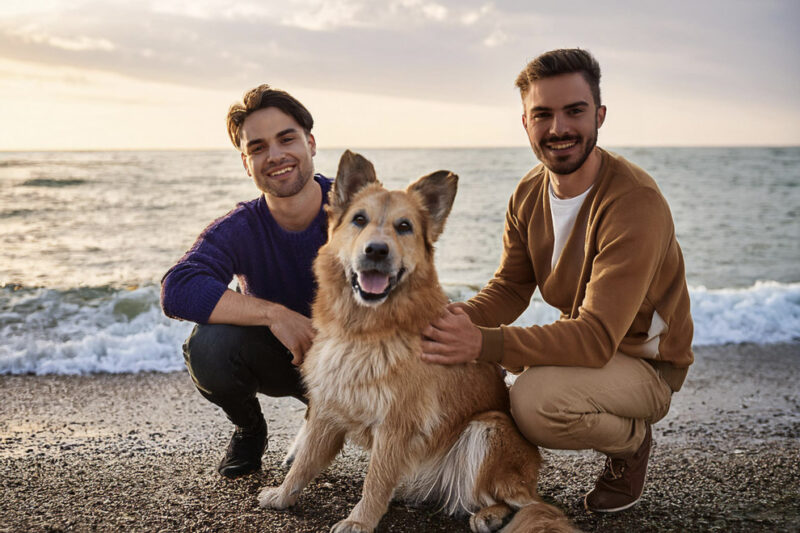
<point>268,262</point>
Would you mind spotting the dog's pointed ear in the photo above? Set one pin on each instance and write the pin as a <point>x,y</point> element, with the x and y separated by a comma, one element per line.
<point>437,191</point>
<point>355,172</point>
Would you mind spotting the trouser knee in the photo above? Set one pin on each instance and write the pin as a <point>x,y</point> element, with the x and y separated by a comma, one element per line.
<point>541,412</point>
<point>227,360</point>
<point>211,353</point>
<point>606,409</point>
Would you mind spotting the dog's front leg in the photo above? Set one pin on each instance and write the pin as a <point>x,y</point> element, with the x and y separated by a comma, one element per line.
<point>389,462</point>
<point>315,451</point>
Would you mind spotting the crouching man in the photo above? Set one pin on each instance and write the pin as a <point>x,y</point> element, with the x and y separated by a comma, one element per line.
<point>593,232</point>
<point>252,340</point>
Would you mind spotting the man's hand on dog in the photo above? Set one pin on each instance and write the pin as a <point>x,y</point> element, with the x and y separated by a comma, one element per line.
<point>294,331</point>
<point>291,328</point>
<point>452,338</point>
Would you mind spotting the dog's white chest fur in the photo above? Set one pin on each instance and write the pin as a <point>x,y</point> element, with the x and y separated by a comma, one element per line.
<point>357,380</point>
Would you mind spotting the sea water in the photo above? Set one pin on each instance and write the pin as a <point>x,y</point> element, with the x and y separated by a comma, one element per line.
<point>85,238</point>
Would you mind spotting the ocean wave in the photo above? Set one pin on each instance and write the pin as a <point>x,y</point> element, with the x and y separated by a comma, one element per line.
<point>10,213</point>
<point>107,329</point>
<point>52,182</point>
<point>87,330</point>
<point>767,312</point>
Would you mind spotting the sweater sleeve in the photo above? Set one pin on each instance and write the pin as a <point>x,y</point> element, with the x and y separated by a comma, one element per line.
<point>632,239</point>
<point>508,293</point>
<point>191,289</point>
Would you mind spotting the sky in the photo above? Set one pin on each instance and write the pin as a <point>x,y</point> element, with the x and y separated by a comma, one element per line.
<point>142,74</point>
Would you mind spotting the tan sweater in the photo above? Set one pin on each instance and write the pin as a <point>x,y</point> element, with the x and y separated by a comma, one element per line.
<point>620,265</point>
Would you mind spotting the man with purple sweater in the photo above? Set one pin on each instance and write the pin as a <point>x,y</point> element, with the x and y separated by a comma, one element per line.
<point>253,339</point>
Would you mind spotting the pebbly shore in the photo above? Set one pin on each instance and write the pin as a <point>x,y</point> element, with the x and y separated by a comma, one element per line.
<point>138,452</point>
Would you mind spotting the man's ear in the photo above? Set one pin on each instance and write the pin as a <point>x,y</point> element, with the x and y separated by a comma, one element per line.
<point>355,172</point>
<point>312,143</point>
<point>525,122</point>
<point>244,163</point>
<point>601,115</point>
<point>437,191</point>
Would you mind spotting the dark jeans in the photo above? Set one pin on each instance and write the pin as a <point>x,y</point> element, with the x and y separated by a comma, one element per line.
<point>230,364</point>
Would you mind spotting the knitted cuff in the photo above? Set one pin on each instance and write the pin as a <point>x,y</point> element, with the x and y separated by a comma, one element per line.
<point>491,344</point>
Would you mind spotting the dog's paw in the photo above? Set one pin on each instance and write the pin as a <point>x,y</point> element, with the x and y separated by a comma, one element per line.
<point>484,524</point>
<point>350,526</point>
<point>273,498</point>
<point>489,518</point>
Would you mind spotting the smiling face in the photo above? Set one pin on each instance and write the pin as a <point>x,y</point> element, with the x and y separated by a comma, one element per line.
<point>276,152</point>
<point>561,120</point>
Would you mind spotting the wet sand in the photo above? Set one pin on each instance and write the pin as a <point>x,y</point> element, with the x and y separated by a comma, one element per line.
<point>138,452</point>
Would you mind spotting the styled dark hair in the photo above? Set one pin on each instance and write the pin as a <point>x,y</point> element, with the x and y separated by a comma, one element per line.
<point>262,97</point>
<point>562,61</point>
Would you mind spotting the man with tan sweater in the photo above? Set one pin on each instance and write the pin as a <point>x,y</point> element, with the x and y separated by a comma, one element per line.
<point>595,234</point>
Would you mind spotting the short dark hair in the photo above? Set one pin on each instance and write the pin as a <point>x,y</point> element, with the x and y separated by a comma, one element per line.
<point>262,97</point>
<point>562,61</point>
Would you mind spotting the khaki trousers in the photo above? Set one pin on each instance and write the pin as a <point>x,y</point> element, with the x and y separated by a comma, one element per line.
<point>576,408</point>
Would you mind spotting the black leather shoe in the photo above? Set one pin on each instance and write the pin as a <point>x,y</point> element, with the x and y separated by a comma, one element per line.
<point>244,451</point>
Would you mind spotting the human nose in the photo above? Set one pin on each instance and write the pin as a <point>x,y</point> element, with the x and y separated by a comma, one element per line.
<point>274,153</point>
<point>558,126</point>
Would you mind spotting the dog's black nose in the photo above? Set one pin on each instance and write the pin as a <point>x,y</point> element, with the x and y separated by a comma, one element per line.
<point>376,251</point>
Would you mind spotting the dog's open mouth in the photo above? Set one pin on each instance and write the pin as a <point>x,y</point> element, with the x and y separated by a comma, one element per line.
<point>374,285</point>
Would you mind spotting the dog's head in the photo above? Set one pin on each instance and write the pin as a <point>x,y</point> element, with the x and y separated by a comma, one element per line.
<point>382,238</point>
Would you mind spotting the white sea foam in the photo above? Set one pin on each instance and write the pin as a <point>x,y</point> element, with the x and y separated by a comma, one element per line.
<point>82,331</point>
<point>767,312</point>
<point>86,331</point>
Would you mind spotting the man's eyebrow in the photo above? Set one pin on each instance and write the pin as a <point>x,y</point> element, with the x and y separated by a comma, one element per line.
<point>576,104</point>
<point>568,106</point>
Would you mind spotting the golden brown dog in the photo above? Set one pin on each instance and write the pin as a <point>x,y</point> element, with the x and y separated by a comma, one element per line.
<point>437,434</point>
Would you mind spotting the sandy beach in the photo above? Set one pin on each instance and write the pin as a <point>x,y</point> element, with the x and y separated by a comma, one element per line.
<point>138,452</point>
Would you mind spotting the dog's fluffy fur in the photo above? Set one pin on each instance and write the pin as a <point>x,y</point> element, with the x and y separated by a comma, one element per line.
<point>437,434</point>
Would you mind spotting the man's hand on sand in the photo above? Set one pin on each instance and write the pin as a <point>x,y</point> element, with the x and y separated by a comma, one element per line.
<point>294,331</point>
<point>452,338</point>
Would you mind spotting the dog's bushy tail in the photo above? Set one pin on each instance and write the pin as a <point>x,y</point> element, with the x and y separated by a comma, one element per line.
<point>539,517</point>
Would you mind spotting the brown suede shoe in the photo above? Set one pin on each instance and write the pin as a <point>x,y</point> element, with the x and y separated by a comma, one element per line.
<point>622,482</point>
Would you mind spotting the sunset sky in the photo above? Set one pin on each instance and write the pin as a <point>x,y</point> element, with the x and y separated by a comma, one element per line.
<point>117,74</point>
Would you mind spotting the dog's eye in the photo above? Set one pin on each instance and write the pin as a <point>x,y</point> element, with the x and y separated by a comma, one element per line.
<point>360,220</point>
<point>403,226</point>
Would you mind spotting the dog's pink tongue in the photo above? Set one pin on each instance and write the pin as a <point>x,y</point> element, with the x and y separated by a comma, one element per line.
<point>373,282</point>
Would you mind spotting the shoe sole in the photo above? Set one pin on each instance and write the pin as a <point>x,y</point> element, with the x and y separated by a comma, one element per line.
<point>233,474</point>
<point>614,510</point>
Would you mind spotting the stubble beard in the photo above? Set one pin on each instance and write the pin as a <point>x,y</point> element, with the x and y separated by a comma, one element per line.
<point>565,167</point>
<point>287,189</point>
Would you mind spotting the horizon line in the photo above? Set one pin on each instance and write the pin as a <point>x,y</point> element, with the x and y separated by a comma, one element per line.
<point>351,147</point>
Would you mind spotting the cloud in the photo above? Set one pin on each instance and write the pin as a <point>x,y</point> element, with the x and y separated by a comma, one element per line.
<point>77,43</point>
<point>434,11</point>
<point>324,15</point>
<point>211,9</point>
<point>470,17</point>
<point>428,10</point>
<point>438,50</point>
<point>460,52</point>
<point>310,15</point>
<point>496,38</point>
<point>412,48</point>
